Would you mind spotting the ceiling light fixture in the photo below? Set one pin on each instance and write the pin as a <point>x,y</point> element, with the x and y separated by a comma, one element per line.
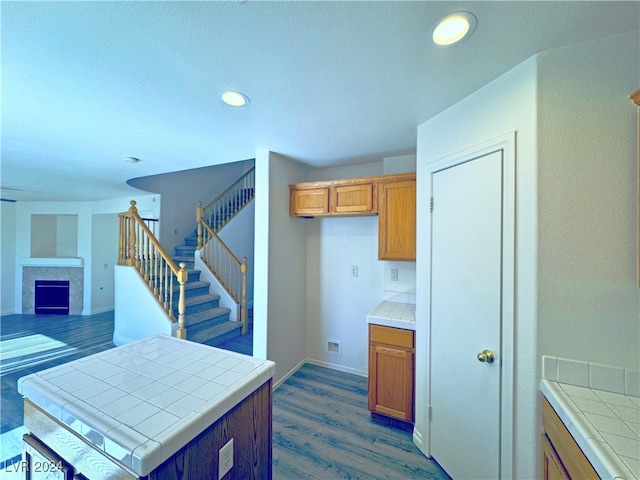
<point>131,159</point>
<point>453,28</point>
<point>235,99</point>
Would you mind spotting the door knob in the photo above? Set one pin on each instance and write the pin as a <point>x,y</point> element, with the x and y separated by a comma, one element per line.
<point>486,356</point>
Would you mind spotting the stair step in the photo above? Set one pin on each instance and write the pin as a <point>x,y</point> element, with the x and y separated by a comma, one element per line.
<point>193,289</point>
<point>199,303</point>
<point>218,334</point>
<point>191,241</point>
<point>210,317</point>
<point>182,258</point>
<point>185,250</point>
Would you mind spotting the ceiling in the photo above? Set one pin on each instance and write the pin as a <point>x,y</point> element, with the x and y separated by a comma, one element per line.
<point>85,84</point>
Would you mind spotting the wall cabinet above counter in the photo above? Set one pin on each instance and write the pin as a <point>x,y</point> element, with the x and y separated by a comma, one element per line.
<point>393,197</point>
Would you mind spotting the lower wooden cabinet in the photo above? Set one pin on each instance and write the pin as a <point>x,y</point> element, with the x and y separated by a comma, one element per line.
<point>562,458</point>
<point>391,372</point>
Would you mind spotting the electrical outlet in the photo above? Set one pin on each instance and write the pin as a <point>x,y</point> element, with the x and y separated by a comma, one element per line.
<point>354,271</point>
<point>225,459</point>
<point>394,274</point>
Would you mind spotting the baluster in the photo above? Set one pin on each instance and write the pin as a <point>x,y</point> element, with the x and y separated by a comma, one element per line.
<point>132,235</point>
<point>199,216</point>
<point>182,278</point>
<point>244,268</point>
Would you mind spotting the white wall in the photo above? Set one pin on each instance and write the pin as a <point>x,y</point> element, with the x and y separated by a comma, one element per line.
<point>83,210</point>
<point>89,245</point>
<point>280,266</point>
<point>576,171</point>
<point>588,307</point>
<point>337,303</point>
<point>104,256</point>
<point>506,104</point>
<point>137,311</point>
<point>239,236</point>
<point>8,258</point>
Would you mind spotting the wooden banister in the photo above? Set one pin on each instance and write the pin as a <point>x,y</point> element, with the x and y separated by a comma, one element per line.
<point>140,248</point>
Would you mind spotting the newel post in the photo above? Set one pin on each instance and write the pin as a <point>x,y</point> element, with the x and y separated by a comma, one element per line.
<point>199,215</point>
<point>182,279</point>
<point>131,250</point>
<point>244,268</point>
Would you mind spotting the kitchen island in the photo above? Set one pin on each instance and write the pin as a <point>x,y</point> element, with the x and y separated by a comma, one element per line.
<point>160,408</point>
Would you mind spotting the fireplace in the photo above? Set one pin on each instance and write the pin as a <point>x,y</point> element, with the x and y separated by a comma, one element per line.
<point>51,297</point>
<point>55,270</point>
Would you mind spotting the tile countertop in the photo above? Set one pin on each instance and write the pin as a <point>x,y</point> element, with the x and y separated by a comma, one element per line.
<point>394,314</point>
<point>140,403</point>
<point>600,406</point>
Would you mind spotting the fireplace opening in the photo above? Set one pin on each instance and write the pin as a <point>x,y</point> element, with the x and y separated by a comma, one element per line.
<point>52,297</point>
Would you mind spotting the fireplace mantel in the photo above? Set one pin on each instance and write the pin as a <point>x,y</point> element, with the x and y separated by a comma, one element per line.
<point>51,262</point>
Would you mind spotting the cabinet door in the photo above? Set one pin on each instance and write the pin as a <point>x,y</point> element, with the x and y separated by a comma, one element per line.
<point>309,202</point>
<point>354,199</point>
<point>42,463</point>
<point>552,468</point>
<point>391,382</point>
<point>397,220</point>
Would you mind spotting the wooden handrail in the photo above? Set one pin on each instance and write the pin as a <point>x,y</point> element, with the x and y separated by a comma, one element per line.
<point>225,206</point>
<point>233,278</point>
<point>231,187</point>
<point>138,247</point>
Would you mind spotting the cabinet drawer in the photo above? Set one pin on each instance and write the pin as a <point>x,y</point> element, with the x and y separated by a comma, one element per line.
<point>391,336</point>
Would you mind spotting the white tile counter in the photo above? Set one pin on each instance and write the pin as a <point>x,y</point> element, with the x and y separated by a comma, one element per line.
<point>600,407</point>
<point>140,403</point>
<point>394,314</point>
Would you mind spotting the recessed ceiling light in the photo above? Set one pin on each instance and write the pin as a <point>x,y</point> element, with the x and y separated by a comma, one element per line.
<point>453,28</point>
<point>235,99</point>
<point>131,159</point>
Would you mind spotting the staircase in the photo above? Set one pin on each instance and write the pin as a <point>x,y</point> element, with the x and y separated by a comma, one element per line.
<point>205,321</point>
<point>193,308</point>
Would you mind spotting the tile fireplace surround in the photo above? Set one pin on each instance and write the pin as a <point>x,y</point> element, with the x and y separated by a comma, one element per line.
<point>50,271</point>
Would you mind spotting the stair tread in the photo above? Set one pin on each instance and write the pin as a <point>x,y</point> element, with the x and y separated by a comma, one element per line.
<point>206,315</point>
<point>209,297</point>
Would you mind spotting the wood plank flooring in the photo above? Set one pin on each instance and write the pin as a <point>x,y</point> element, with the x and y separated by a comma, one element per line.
<point>321,426</point>
<point>323,430</point>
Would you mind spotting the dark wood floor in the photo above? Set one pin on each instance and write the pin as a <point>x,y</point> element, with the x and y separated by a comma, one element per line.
<point>323,430</point>
<point>321,426</point>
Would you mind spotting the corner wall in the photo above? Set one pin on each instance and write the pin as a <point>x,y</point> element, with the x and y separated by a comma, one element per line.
<point>589,300</point>
<point>504,105</point>
<point>280,267</point>
<point>8,258</point>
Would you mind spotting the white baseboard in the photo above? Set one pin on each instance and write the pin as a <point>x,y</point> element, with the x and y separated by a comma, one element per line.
<point>319,363</point>
<point>288,374</point>
<point>97,311</point>
<point>335,366</point>
<point>10,311</point>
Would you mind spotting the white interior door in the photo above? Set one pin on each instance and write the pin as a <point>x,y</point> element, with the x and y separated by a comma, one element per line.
<point>466,266</point>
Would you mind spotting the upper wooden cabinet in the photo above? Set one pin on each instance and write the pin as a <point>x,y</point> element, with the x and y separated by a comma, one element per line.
<point>397,219</point>
<point>309,202</point>
<point>351,196</point>
<point>393,197</point>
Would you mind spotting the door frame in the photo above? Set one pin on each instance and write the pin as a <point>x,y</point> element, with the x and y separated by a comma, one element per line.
<point>507,144</point>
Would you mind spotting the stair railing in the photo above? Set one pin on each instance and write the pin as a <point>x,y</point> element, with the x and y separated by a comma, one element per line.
<point>228,270</point>
<point>227,205</point>
<point>223,264</point>
<point>138,247</point>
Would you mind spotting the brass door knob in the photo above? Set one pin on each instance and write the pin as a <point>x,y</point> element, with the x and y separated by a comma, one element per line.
<point>486,356</point>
